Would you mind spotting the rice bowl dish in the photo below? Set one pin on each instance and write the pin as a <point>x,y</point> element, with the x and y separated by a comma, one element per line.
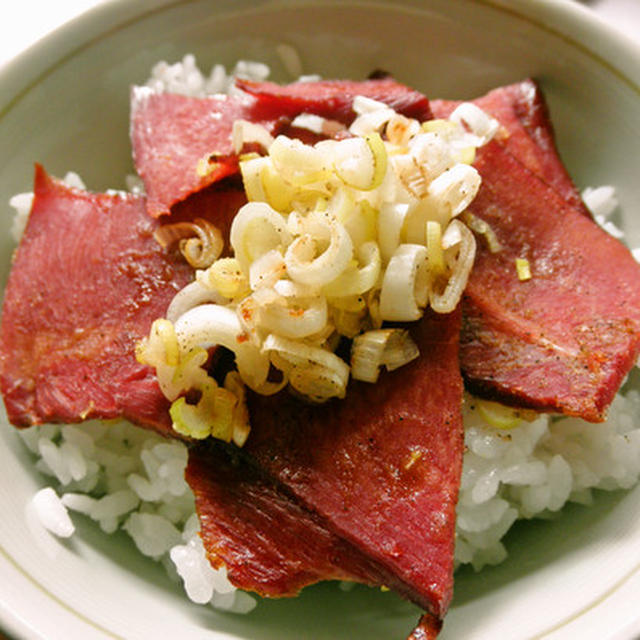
<point>523,472</point>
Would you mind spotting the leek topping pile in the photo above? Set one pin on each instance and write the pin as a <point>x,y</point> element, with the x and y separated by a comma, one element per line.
<point>337,239</point>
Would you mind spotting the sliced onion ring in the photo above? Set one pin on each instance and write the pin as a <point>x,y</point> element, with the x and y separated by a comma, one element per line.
<point>244,131</point>
<point>455,188</point>
<point>194,294</point>
<point>295,321</point>
<point>256,229</point>
<point>316,372</point>
<point>371,350</point>
<point>200,241</point>
<point>356,280</point>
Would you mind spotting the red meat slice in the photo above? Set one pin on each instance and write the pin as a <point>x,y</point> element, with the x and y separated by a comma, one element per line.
<point>333,98</point>
<point>183,144</point>
<point>528,133</point>
<point>381,467</point>
<point>87,281</point>
<point>565,339</point>
<point>268,542</point>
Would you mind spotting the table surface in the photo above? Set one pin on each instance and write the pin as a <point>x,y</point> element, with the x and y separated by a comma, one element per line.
<point>26,21</point>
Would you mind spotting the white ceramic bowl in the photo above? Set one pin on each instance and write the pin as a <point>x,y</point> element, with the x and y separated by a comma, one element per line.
<point>65,103</point>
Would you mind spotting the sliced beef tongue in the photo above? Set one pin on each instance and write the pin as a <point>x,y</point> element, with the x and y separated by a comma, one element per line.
<point>527,133</point>
<point>88,279</point>
<point>362,489</point>
<point>183,144</point>
<point>269,543</point>
<point>381,467</point>
<point>333,99</point>
<point>564,339</point>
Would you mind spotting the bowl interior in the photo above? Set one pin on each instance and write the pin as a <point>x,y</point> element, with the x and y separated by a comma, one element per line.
<point>68,109</point>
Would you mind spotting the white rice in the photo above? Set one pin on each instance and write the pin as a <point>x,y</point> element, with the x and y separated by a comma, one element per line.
<point>123,477</point>
<point>602,203</point>
<point>536,468</point>
<point>130,479</point>
<point>187,79</point>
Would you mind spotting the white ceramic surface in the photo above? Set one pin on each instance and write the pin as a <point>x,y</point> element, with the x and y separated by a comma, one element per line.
<point>64,103</point>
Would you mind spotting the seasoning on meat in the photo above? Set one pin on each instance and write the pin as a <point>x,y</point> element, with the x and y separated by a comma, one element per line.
<point>268,542</point>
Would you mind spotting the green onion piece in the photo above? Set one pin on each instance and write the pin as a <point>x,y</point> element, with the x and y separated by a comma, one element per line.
<point>523,268</point>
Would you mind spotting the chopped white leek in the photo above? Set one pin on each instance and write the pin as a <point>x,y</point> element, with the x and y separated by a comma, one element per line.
<point>455,188</point>
<point>405,292</point>
<point>371,350</point>
<point>337,238</point>
<point>209,325</point>
<point>194,294</point>
<point>523,268</point>
<point>307,265</point>
<point>316,372</point>
<point>244,132</point>
<point>226,276</point>
<point>267,270</point>
<point>295,320</point>
<point>356,279</point>
<point>391,220</point>
<point>476,121</point>
<point>298,163</point>
<point>256,229</point>
<point>447,301</point>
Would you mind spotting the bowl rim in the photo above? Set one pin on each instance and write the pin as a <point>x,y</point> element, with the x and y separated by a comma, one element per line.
<point>568,19</point>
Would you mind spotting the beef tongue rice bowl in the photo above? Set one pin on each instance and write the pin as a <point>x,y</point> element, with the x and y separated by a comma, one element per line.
<point>198,306</point>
